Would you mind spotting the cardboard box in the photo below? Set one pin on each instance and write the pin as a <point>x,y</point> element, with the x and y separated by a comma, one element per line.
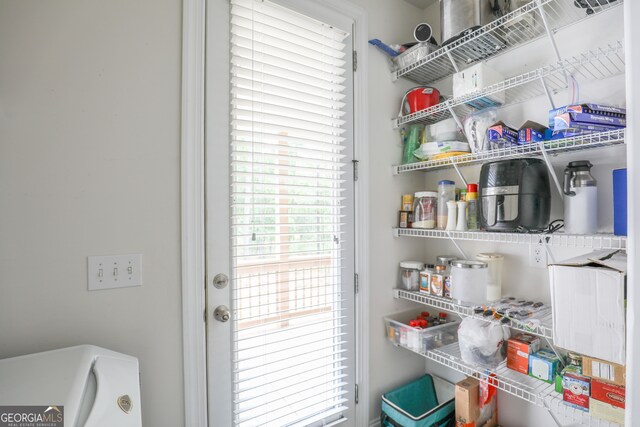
<point>467,397</point>
<point>602,110</point>
<point>575,120</point>
<point>588,304</point>
<point>608,393</point>
<point>519,347</point>
<point>560,375</point>
<point>543,365</point>
<point>500,135</point>
<point>607,412</point>
<point>532,132</point>
<point>474,79</point>
<point>604,371</point>
<point>576,390</point>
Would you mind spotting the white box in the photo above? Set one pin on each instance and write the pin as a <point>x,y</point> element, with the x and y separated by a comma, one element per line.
<point>588,304</point>
<point>474,79</point>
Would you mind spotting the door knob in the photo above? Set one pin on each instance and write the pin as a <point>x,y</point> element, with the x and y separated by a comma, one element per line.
<point>220,280</point>
<point>221,313</point>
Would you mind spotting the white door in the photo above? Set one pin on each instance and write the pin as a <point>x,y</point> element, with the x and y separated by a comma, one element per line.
<point>280,215</point>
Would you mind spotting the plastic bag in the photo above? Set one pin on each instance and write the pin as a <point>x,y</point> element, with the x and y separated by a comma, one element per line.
<point>482,343</point>
<point>475,127</point>
<point>412,138</point>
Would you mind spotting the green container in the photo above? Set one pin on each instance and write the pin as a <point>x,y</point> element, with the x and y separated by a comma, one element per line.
<point>416,405</point>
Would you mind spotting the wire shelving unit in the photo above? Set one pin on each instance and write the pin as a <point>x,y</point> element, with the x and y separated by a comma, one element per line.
<point>540,325</point>
<point>576,143</point>
<point>595,64</point>
<point>531,21</point>
<point>522,386</point>
<point>583,241</point>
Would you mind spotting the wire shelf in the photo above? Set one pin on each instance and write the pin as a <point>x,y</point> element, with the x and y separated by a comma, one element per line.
<point>540,325</point>
<point>595,64</point>
<point>516,384</point>
<point>586,241</point>
<point>505,33</point>
<point>576,143</point>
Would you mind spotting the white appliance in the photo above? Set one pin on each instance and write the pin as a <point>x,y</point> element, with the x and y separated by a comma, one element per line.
<point>97,387</point>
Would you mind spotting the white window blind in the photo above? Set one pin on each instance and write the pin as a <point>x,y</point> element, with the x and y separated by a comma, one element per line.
<point>287,154</point>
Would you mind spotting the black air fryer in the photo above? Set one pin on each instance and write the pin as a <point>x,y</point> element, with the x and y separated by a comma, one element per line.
<point>514,194</point>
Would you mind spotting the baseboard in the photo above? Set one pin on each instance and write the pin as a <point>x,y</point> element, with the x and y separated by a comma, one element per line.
<point>374,423</point>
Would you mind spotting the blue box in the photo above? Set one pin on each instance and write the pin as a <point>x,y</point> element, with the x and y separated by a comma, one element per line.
<point>543,365</point>
<point>602,110</point>
<point>572,120</point>
<point>532,132</point>
<point>620,202</point>
<point>500,135</point>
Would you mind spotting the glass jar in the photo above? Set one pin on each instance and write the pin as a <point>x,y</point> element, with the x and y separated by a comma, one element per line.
<point>438,278</point>
<point>424,209</point>
<point>446,192</point>
<point>410,275</point>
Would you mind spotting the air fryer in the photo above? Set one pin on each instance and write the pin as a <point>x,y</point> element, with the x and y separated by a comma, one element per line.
<point>514,195</point>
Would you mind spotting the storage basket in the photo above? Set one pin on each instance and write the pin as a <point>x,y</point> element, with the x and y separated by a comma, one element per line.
<point>412,55</point>
<point>416,404</point>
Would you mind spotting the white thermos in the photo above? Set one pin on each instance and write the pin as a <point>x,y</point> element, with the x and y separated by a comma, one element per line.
<point>580,199</point>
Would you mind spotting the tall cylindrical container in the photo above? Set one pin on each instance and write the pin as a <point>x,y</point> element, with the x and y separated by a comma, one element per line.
<point>494,284</point>
<point>451,215</point>
<point>446,193</point>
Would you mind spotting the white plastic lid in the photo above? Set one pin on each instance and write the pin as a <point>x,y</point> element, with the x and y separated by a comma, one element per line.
<point>489,257</point>
<point>412,265</point>
<point>426,194</point>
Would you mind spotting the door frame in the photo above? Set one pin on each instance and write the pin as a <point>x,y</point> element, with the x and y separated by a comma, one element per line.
<point>193,208</point>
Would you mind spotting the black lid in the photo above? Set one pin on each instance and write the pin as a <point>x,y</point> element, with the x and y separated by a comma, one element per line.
<point>580,165</point>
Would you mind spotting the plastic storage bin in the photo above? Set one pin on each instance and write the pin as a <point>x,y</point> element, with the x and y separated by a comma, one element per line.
<point>400,333</point>
<point>419,404</point>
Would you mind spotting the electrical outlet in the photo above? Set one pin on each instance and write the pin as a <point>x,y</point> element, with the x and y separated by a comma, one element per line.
<point>537,255</point>
<point>116,271</point>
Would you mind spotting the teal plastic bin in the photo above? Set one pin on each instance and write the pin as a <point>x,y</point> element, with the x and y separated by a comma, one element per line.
<point>416,405</point>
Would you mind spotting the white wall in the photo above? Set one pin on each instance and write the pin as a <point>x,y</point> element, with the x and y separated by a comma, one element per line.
<point>89,165</point>
<point>391,21</point>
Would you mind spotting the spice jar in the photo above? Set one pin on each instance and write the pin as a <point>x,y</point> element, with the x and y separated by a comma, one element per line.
<point>438,278</point>
<point>424,209</point>
<point>410,275</point>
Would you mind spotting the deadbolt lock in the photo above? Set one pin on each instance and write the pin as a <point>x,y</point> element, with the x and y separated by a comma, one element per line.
<point>220,281</point>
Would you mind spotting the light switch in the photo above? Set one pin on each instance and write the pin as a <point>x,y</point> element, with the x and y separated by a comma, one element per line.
<point>114,271</point>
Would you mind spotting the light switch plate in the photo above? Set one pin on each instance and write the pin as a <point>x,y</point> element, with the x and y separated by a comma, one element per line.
<point>114,271</point>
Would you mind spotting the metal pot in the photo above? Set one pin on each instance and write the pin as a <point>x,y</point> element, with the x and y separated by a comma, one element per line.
<point>460,16</point>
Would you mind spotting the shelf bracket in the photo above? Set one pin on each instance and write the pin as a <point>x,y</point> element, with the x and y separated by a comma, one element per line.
<point>455,166</point>
<point>455,117</point>
<point>555,419</point>
<point>547,92</point>
<point>543,150</point>
<point>552,39</point>
<point>464,256</point>
<point>453,62</point>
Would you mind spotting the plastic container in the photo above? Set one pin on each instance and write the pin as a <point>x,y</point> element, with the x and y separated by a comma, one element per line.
<point>421,403</point>
<point>494,283</point>
<point>451,214</point>
<point>425,209</point>
<point>446,193</point>
<point>461,223</point>
<point>410,275</point>
<point>419,339</point>
<point>469,281</point>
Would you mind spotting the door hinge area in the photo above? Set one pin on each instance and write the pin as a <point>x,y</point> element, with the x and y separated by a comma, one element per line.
<point>356,283</point>
<point>357,397</point>
<point>355,169</point>
<point>355,61</point>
